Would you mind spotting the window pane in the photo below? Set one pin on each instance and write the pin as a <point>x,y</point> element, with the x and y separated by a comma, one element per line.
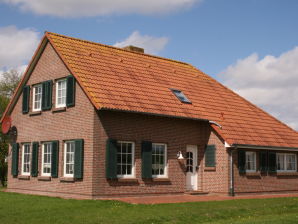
<point>280,162</point>
<point>124,158</point>
<point>61,92</point>
<point>47,152</point>
<point>158,159</point>
<point>69,157</point>
<point>250,161</point>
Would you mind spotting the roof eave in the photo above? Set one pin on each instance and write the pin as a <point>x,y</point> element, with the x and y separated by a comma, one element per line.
<point>153,114</point>
<point>247,146</point>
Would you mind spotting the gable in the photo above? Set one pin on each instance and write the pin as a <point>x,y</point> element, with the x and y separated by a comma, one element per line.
<point>45,65</point>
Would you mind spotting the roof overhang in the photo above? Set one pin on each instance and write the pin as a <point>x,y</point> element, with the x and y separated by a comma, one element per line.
<point>259,147</point>
<point>153,114</point>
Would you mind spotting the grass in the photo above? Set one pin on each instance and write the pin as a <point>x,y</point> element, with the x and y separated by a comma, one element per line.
<point>18,208</point>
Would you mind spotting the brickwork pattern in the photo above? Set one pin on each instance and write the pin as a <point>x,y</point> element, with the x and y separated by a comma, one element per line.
<point>74,123</point>
<point>263,182</point>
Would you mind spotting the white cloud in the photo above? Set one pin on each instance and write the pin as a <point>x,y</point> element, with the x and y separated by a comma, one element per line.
<point>79,8</point>
<point>152,45</point>
<point>270,82</point>
<point>16,47</point>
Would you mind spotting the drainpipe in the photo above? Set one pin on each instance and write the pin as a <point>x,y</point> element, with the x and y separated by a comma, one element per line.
<point>231,190</point>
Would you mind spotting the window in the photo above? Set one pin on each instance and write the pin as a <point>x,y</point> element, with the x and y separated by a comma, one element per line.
<point>46,159</point>
<point>250,161</point>
<point>159,160</point>
<point>61,93</point>
<point>37,93</point>
<point>69,149</point>
<point>125,159</point>
<point>180,95</point>
<point>26,157</point>
<point>286,162</point>
<point>189,162</point>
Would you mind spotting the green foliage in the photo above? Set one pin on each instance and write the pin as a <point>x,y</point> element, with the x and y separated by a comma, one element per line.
<point>3,144</point>
<point>22,209</point>
<point>9,82</point>
<point>3,164</point>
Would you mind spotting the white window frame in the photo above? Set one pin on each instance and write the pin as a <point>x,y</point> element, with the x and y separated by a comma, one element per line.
<point>23,158</point>
<point>165,175</point>
<point>57,83</point>
<point>254,161</point>
<point>64,165</point>
<point>42,163</point>
<point>285,161</point>
<point>132,175</point>
<point>33,99</point>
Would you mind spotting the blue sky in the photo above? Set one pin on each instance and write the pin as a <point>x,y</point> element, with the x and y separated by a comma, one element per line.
<point>235,41</point>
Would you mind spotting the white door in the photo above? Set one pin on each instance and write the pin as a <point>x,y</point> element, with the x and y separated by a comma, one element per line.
<point>191,167</point>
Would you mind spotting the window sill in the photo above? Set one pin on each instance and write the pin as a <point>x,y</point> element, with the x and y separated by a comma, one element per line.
<point>24,177</point>
<point>67,179</point>
<point>159,179</point>
<point>44,178</point>
<point>127,180</point>
<point>35,113</point>
<point>294,173</point>
<point>59,109</point>
<point>210,169</point>
<point>251,174</point>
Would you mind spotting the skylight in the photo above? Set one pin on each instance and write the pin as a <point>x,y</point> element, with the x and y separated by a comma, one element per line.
<point>180,95</point>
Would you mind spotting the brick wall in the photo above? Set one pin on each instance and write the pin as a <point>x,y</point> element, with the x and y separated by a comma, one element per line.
<point>75,122</point>
<point>176,133</point>
<point>216,180</point>
<point>263,182</point>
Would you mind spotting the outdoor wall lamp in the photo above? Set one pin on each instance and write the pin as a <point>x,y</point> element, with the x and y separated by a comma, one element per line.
<point>180,156</point>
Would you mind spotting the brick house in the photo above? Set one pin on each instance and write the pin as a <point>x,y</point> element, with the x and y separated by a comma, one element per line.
<point>92,121</point>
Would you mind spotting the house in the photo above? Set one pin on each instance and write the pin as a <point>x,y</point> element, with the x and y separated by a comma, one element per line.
<point>92,121</point>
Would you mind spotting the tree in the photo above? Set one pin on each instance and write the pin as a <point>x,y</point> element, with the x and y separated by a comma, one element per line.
<point>8,84</point>
<point>3,144</point>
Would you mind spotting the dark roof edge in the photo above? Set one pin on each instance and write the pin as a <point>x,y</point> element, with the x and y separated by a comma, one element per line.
<point>263,147</point>
<point>153,114</point>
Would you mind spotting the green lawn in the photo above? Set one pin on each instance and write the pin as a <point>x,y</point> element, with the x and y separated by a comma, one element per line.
<point>18,208</point>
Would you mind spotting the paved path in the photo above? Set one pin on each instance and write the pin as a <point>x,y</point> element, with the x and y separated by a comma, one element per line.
<point>193,198</point>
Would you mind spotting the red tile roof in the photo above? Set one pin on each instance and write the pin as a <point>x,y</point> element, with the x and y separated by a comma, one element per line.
<point>114,78</point>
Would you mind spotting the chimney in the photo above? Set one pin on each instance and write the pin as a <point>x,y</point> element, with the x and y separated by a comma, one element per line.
<point>134,49</point>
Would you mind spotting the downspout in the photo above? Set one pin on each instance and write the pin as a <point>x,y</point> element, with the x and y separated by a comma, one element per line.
<point>231,190</point>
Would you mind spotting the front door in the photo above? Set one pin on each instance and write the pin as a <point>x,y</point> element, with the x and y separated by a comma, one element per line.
<point>191,168</point>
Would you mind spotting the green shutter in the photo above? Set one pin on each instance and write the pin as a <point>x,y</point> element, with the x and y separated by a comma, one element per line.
<point>210,156</point>
<point>79,159</point>
<point>46,102</point>
<point>70,91</point>
<point>272,161</point>
<point>146,159</point>
<point>241,161</point>
<point>111,159</point>
<point>263,163</point>
<point>26,98</point>
<point>55,159</point>
<point>15,159</point>
<point>34,160</point>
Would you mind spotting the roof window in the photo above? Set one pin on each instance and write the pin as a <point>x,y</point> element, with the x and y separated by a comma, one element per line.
<point>180,95</point>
